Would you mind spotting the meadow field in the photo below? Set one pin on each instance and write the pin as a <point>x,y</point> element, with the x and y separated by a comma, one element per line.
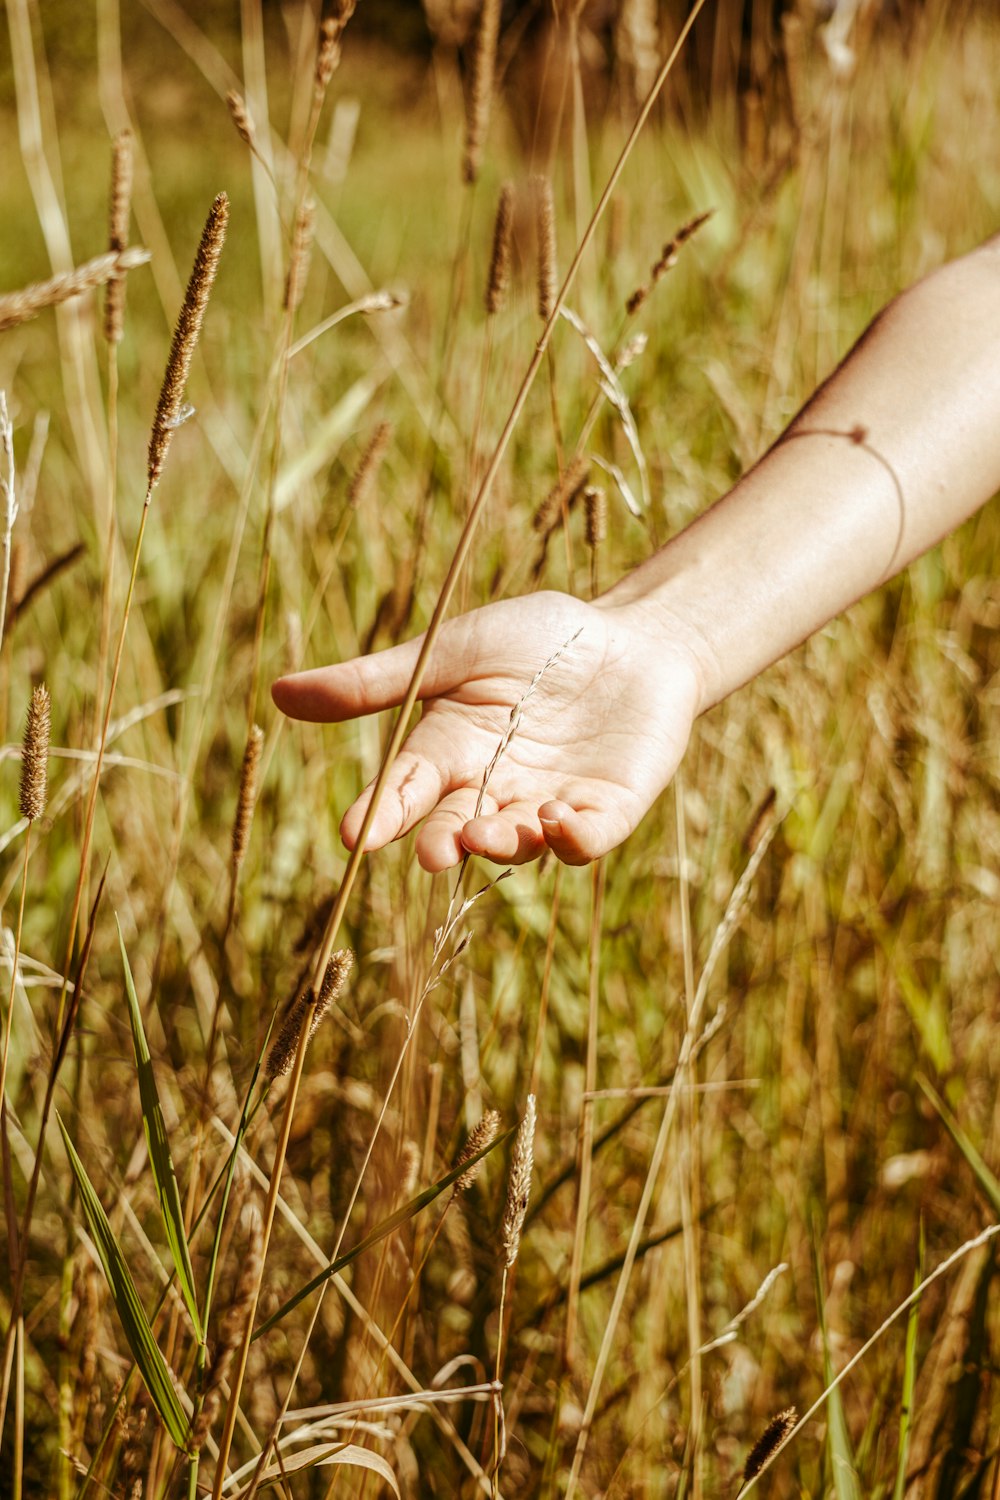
<point>754,1044</point>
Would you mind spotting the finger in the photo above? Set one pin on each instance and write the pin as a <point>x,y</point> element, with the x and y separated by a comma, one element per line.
<point>412,788</point>
<point>579,835</point>
<point>348,689</point>
<point>510,836</point>
<point>439,843</point>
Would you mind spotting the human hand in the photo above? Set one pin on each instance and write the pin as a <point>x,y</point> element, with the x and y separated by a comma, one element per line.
<point>599,738</point>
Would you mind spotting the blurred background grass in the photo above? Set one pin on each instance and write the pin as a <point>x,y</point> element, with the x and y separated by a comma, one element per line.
<point>868,953</point>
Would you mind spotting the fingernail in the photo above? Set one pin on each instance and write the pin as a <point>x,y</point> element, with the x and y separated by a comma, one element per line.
<point>551,825</point>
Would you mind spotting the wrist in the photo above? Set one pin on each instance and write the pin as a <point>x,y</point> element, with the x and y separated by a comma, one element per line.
<point>651,616</point>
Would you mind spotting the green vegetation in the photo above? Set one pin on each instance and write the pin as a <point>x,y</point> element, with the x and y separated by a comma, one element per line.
<point>845,1123</point>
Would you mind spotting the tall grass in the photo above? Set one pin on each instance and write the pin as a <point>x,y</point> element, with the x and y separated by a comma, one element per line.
<point>724,1083</point>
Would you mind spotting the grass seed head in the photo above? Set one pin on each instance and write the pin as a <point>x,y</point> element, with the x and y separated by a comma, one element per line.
<point>545,236</point>
<point>247,799</point>
<point>241,118</point>
<point>483,1135</point>
<point>119,212</point>
<point>367,470</point>
<point>310,1009</point>
<point>519,1184</point>
<point>565,489</point>
<point>498,280</point>
<point>477,116</point>
<point>35,757</point>
<point>769,1442</point>
<point>192,314</point>
<point>298,260</point>
<point>596,511</point>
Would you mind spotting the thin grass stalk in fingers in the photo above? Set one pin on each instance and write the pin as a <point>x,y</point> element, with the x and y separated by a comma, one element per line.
<point>585,1137</point>
<point>465,540</point>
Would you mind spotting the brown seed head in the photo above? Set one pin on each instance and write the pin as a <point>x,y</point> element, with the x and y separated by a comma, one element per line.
<point>298,260</point>
<point>28,302</point>
<point>519,1184</point>
<point>241,117</point>
<point>367,470</point>
<point>668,255</point>
<point>483,1135</point>
<point>308,1008</point>
<point>596,512</point>
<point>328,52</point>
<point>545,236</point>
<point>35,756</point>
<point>769,1442</point>
<point>499,278</point>
<point>247,799</point>
<point>120,208</point>
<point>192,313</point>
<point>565,489</point>
<point>477,116</point>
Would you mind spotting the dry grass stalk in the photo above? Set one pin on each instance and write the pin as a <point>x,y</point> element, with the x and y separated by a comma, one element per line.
<point>298,260</point>
<point>482,1136</point>
<point>667,260</point>
<point>283,1048</point>
<point>595,503</point>
<point>247,798</point>
<point>35,755</point>
<point>18,307</point>
<point>119,212</point>
<point>566,488</point>
<point>519,1185</point>
<point>241,118</point>
<point>545,236</point>
<point>477,117</point>
<point>192,313</point>
<point>367,470</point>
<point>231,1327</point>
<point>328,53</point>
<point>498,280</point>
<point>769,1442</point>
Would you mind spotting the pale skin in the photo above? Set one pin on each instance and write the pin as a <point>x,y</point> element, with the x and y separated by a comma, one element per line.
<point>898,447</point>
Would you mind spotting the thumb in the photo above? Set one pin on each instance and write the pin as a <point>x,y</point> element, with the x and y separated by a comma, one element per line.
<point>368,684</point>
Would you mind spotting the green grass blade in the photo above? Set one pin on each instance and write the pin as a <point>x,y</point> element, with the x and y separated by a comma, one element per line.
<point>845,1477</point>
<point>160,1159</point>
<point>983,1175</point>
<point>380,1231</point>
<point>909,1380</point>
<point>145,1351</point>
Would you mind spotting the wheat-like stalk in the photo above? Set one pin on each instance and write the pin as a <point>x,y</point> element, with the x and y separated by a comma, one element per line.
<point>29,301</point>
<point>519,1185</point>
<point>241,117</point>
<point>188,327</point>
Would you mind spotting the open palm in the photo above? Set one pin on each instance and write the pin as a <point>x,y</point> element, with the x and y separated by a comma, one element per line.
<point>598,738</point>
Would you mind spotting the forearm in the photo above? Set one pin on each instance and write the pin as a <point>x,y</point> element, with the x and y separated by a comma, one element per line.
<point>893,452</point>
